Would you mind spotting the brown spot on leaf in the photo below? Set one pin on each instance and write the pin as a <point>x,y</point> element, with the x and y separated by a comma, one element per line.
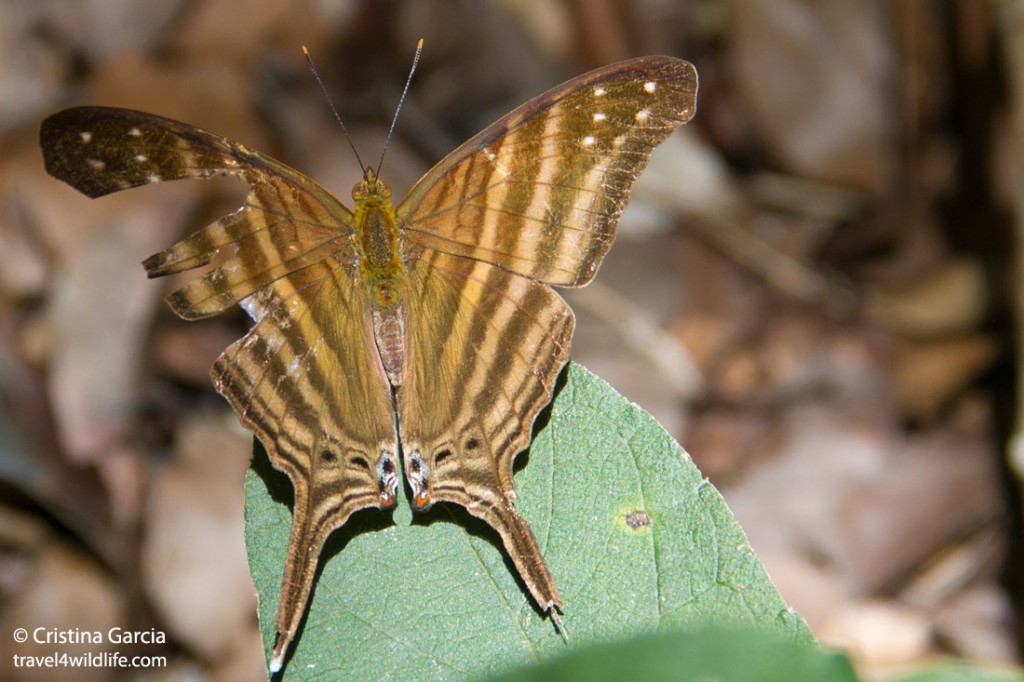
<point>638,519</point>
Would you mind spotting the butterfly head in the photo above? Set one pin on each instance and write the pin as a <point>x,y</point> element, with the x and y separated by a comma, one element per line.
<point>370,187</point>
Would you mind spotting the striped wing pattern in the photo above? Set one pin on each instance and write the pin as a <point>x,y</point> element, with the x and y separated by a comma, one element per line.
<point>306,380</point>
<point>287,222</point>
<point>540,192</point>
<point>475,346</point>
<point>481,366</point>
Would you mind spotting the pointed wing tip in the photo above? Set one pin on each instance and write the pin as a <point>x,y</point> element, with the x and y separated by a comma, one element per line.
<point>56,132</point>
<point>554,612</point>
<point>280,649</point>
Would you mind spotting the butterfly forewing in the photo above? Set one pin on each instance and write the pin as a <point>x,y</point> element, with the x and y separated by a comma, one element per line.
<point>540,192</point>
<point>287,222</point>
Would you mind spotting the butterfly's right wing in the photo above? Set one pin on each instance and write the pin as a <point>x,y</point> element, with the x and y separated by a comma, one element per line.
<point>532,200</point>
<point>481,366</point>
<point>539,192</point>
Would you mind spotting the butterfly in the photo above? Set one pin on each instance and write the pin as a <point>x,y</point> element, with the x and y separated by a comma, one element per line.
<point>424,337</point>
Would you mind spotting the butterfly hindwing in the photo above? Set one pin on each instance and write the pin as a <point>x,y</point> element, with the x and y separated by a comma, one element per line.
<point>338,444</point>
<point>481,366</point>
<point>540,191</point>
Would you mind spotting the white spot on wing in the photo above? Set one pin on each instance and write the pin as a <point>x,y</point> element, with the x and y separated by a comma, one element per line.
<point>96,164</point>
<point>493,158</point>
<point>135,132</point>
<point>619,139</point>
<point>642,116</point>
<point>589,141</point>
<point>86,136</point>
<point>153,177</point>
<point>600,116</point>
<point>599,90</point>
<point>650,86</point>
<point>141,158</point>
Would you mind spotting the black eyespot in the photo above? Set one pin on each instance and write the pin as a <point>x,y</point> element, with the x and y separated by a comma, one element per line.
<point>360,461</point>
<point>328,457</point>
<point>472,443</point>
<point>388,466</point>
<point>414,466</point>
<point>442,455</point>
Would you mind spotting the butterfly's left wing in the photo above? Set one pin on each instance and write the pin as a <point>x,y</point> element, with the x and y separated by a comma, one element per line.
<point>308,382</point>
<point>540,191</point>
<point>287,222</point>
<point>306,378</point>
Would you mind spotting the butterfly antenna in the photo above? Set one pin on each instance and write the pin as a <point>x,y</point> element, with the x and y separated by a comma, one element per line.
<point>337,116</point>
<point>394,119</point>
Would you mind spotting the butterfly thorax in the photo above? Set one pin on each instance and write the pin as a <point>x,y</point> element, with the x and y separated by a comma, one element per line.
<point>378,241</point>
<point>379,245</point>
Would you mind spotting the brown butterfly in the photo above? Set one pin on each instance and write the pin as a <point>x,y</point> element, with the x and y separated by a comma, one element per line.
<point>427,332</point>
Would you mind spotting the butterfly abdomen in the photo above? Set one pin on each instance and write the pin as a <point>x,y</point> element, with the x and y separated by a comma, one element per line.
<point>389,336</point>
<point>379,247</point>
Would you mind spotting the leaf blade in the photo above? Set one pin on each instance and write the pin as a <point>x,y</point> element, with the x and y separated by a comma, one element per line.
<point>434,597</point>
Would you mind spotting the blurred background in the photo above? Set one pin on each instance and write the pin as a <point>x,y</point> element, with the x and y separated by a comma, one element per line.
<point>815,290</point>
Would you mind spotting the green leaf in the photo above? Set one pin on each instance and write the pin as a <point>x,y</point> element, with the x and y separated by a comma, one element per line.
<point>697,655</point>
<point>958,671</point>
<point>635,537</point>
